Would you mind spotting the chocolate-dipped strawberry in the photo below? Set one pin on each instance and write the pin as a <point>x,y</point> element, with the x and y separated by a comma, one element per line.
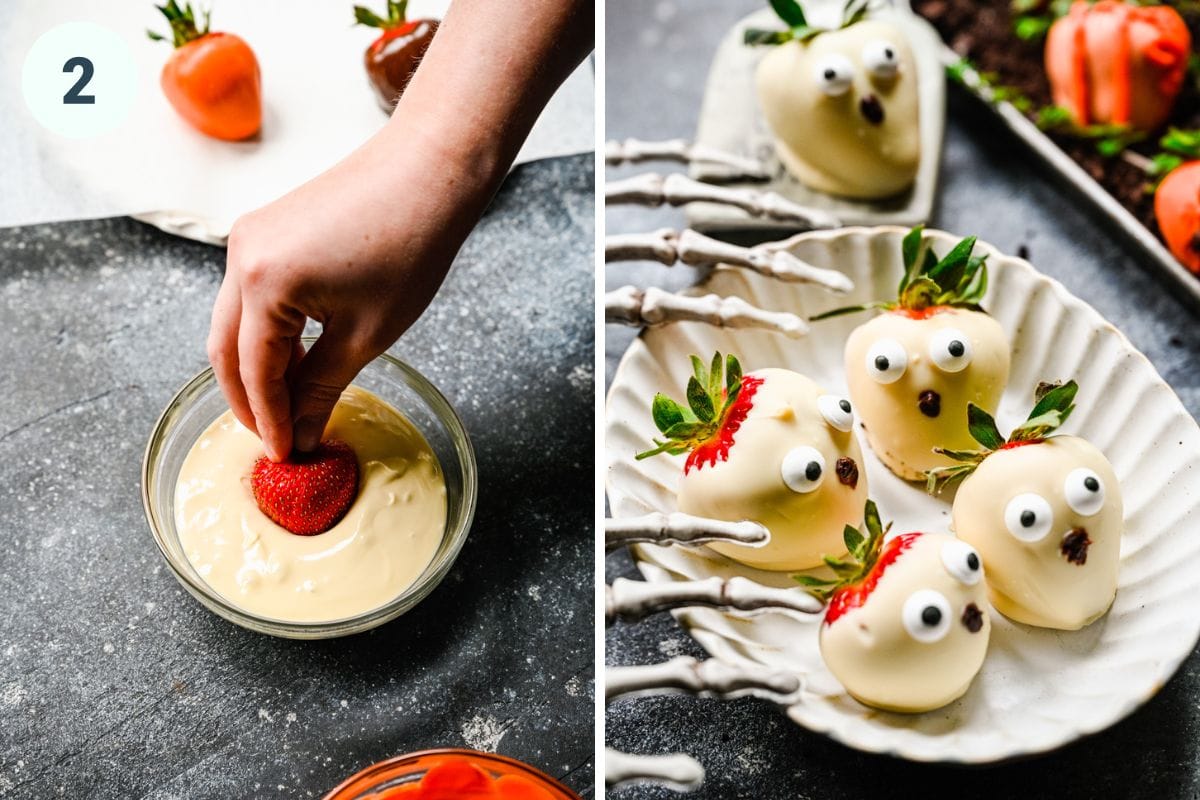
<point>392,59</point>
<point>906,627</point>
<point>913,369</point>
<point>1115,63</point>
<point>769,446</point>
<point>1045,511</point>
<point>842,103</point>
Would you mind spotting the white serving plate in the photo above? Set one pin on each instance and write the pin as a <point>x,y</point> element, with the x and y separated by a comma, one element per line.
<point>731,120</point>
<point>1038,689</point>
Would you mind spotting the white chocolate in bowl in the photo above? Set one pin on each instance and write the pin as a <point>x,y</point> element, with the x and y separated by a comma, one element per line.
<point>1034,582</point>
<point>374,553</point>
<point>869,650</point>
<point>898,431</point>
<point>749,484</point>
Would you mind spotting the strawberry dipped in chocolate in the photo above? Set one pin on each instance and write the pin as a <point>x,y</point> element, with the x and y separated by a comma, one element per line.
<point>1045,510</point>
<point>392,58</point>
<point>906,626</point>
<point>769,446</point>
<point>913,369</point>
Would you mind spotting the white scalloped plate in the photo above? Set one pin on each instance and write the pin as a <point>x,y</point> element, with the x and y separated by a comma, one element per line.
<point>1038,689</point>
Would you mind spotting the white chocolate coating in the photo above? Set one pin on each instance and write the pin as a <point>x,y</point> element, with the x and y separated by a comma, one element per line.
<point>1034,582</point>
<point>827,142</point>
<point>376,551</point>
<point>898,431</point>
<point>750,483</point>
<point>881,664</point>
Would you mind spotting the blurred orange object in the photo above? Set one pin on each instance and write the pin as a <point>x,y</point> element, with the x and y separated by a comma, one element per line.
<point>451,775</point>
<point>212,79</point>
<point>1112,63</point>
<point>1177,208</point>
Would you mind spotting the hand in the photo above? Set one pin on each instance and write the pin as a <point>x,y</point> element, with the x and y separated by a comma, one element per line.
<point>363,248</point>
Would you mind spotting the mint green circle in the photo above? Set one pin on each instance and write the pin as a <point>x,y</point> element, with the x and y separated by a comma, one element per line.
<point>114,81</point>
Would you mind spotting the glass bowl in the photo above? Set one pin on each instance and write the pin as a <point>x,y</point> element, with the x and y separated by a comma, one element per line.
<point>200,402</point>
<point>401,770</point>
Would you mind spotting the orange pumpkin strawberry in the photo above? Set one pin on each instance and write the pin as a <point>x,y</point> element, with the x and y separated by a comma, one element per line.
<point>1177,209</point>
<point>1110,63</point>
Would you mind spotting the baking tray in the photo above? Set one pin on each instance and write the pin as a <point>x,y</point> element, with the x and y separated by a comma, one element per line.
<point>1154,253</point>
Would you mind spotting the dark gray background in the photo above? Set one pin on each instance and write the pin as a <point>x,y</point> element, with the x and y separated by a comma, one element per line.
<point>658,55</point>
<point>114,683</point>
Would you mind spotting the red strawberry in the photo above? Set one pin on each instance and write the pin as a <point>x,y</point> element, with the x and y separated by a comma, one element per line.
<point>852,595</point>
<point>857,577</point>
<point>310,492</point>
<point>719,398</point>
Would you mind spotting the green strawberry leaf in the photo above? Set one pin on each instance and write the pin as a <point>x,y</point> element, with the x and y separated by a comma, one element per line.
<point>1053,397</point>
<point>755,37</point>
<point>983,428</point>
<point>854,541</point>
<point>790,12</point>
<point>666,412</point>
<point>733,374</point>
<point>700,401</point>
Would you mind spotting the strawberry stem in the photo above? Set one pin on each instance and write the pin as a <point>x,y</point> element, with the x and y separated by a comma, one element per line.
<point>182,20</point>
<point>397,11</point>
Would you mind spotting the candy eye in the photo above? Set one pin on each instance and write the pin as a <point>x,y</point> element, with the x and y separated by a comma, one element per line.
<point>886,361</point>
<point>834,74</point>
<point>837,411</point>
<point>881,58</point>
<point>950,350</point>
<point>1028,517</point>
<point>926,616</point>
<point>803,469</point>
<point>962,562</point>
<point>1084,491</point>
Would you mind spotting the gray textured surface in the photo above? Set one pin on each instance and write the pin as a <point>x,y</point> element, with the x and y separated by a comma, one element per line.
<point>114,683</point>
<point>657,58</point>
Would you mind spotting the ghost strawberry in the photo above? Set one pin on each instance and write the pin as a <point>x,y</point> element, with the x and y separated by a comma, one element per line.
<point>310,492</point>
<point>842,103</point>
<point>906,627</point>
<point>913,369</point>
<point>1045,511</point>
<point>769,446</point>
<point>392,58</point>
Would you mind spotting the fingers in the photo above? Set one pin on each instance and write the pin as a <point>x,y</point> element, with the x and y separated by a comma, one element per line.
<point>223,349</point>
<point>266,344</point>
<point>321,376</point>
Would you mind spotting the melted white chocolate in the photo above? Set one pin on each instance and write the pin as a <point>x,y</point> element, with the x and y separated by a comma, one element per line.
<point>376,551</point>
<point>898,431</point>
<point>1034,582</point>
<point>881,664</point>
<point>828,142</point>
<point>750,484</point>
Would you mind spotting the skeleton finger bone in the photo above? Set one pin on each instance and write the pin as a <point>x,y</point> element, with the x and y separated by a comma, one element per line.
<point>636,151</point>
<point>633,600</point>
<point>695,249</point>
<point>653,189</point>
<point>679,528</point>
<point>633,306</point>
<point>711,678</point>
<point>677,771</point>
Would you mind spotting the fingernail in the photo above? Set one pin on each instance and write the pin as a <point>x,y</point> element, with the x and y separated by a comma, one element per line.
<point>308,434</point>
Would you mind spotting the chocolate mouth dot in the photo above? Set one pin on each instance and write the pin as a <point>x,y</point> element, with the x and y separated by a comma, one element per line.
<point>1075,546</point>
<point>972,618</point>
<point>930,403</point>
<point>871,109</point>
<point>847,471</point>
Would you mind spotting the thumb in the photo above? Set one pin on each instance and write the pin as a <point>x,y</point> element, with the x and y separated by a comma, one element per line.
<point>319,379</point>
